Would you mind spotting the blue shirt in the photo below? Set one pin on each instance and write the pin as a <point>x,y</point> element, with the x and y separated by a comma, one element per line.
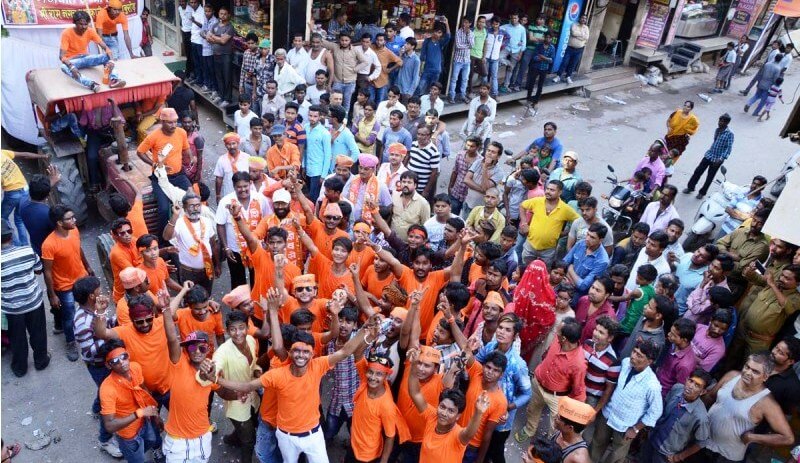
<point>432,53</point>
<point>570,181</point>
<point>548,52</point>
<point>556,147</point>
<point>318,151</point>
<point>408,74</point>
<point>730,224</point>
<point>516,382</point>
<point>587,265</point>
<point>36,217</point>
<point>635,399</point>
<point>371,29</point>
<point>345,143</point>
<point>689,278</point>
<point>390,136</point>
<point>396,45</point>
<point>721,147</point>
<point>516,37</point>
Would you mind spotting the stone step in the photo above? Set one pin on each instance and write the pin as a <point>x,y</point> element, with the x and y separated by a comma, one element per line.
<point>613,84</point>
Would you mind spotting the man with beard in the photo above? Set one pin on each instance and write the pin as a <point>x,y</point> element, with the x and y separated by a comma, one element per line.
<point>653,254</point>
<point>742,401</point>
<point>712,292</point>
<point>588,259</point>
<point>593,306</point>
<point>627,250</point>
<point>123,254</point>
<point>298,397</point>
<point>708,344</point>
<point>127,408</point>
<point>292,247</point>
<point>145,339</point>
<point>656,320</point>
<point>761,321</point>
<point>409,207</point>
<point>745,245</point>
<point>550,214</point>
<point>168,146</point>
<point>365,188</point>
<point>413,116</point>
<point>674,232</point>
<point>231,162</point>
<point>231,240</point>
<point>136,282</point>
<point>196,240</point>
<point>64,262</point>
<point>690,270</point>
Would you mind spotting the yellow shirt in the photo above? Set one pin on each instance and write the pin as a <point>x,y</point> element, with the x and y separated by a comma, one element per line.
<point>417,212</point>
<point>545,228</point>
<point>234,367</point>
<point>497,219</point>
<point>11,175</point>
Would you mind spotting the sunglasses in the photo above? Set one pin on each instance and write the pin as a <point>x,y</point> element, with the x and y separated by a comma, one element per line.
<point>333,217</point>
<point>200,346</point>
<point>384,361</point>
<point>300,289</point>
<point>117,360</point>
<point>143,321</point>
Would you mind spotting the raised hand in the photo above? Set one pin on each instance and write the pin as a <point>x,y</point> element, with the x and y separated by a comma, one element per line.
<point>353,268</point>
<point>235,209</point>
<point>53,174</point>
<point>482,403</point>
<point>280,261</point>
<point>416,296</point>
<point>176,209</point>
<point>163,297</point>
<point>273,300</point>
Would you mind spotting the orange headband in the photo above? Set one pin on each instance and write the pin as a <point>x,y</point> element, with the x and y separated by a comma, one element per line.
<point>300,345</point>
<point>114,353</point>
<point>362,227</point>
<point>415,231</point>
<point>378,367</point>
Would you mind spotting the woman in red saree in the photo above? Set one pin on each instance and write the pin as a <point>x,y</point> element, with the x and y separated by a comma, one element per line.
<point>534,303</point>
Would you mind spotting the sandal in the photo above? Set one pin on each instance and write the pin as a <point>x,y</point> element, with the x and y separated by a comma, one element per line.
<point>10,451</point>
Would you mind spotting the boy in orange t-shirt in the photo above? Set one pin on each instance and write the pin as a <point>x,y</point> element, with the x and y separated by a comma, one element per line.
<point>74,53</point>
<point>483,380</point>
<point>200,315</point>
<point>106,23</point>
<point>155,267</point>
<point>123,254</point>
<point>431,387</point>
<point>298,398</point>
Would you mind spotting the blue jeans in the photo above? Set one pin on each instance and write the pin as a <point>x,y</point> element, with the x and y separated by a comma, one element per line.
<point>11,201</point>
<point>456,205</point>
<point>761,97</point>
<point>86,61</point>
<point>314,186</point>
<point>161,399</point>
<point>94,139</point>
<point>513,68</point>
<point>570,62</point>
<point>113,44</point>
<point>519,70</point>
<point>208,72</point>
<point>470,455</point>
<point>267,450</point>
<point>99,374</point>
<point>334,422</point>
<point>199,69</point>
<point>425,81</point>
<point>378,94</point>
<point>67,313</point>
<point>347,90</point>
<point>459,69</point>
<point>133,450</point>
<point>67,121</point>
<point>492,65</point>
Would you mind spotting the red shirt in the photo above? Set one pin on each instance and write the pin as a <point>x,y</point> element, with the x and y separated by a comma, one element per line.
<point>589,321</point>
<point>563,371</point>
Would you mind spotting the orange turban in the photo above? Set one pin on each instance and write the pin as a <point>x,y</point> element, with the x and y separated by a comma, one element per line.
<point>305,280</point>
<point>237,296</point>
<point>231,136</point>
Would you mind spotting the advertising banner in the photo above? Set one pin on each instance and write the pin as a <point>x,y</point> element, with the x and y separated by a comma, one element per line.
<point>654,23</point>
<point>54,13</point>
<point>745,13</point>
<point>571,16</point>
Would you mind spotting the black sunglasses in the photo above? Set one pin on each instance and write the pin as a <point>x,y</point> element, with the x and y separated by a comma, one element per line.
<point>117,360</point>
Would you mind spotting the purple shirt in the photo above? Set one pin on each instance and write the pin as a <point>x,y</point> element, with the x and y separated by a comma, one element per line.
<point>658,222</point>
<point>708,350</point>
<point>698,302</point>
<point>656,167</point>
<point>590,321</point>
<point>677,366</point>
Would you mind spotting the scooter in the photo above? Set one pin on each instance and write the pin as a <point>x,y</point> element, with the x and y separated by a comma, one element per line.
<point>711,213</point>
<point>620,205</point>
<point>791,164</point>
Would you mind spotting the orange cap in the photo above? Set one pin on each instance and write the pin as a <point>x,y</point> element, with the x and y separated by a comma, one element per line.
<point>132,277</point>
<point>305,280</point>
<point>429,354</point>
<point>575,410</point>
<point>237,296</point>
<point>494,298</point>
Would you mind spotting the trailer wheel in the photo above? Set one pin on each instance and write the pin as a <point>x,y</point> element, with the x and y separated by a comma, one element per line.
<point>104,244</point>
<point>69,191</point>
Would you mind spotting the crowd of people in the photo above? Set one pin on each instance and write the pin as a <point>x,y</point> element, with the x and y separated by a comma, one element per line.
<point>436,316</point>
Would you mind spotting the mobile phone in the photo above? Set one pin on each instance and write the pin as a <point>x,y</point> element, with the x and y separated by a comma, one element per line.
<point>760,268</point>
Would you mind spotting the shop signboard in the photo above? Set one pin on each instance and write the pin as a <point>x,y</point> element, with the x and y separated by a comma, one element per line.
<point>654,23</point>
<point>674,26</point>
<point>54,13</point>
<point>745,13</point>
<point>573,13</point>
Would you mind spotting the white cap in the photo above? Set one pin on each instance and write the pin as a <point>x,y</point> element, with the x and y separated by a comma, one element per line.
<point>281,196</point>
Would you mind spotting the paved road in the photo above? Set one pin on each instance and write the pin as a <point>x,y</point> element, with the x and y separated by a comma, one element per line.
<point>608,133</point>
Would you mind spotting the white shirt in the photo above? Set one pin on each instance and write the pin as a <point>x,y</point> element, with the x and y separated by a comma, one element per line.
<point>303,109</point>
<point>473,108</point>
<point>661,265</point>
<point>287,79</point>
<point>200,16</point>
<point>242,123</point>
<point>298,59</point>
<point>786,61</point>
<point>436,229</point>
<point>224,170</point>
<point>406,32</point>
<point>183,240</point>
<point>658,222</point>
<point>372,58</point>
<point>186,17</point>
<point>313,94</point>
<point>224,216</point>
<point>383,111</point>
<point>425,105</point>
<point>384,173</point>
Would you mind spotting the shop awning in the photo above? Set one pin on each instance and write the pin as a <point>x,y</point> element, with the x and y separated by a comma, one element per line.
<point>145,77</point>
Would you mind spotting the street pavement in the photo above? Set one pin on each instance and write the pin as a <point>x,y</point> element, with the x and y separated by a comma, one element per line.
<point>603,132</point>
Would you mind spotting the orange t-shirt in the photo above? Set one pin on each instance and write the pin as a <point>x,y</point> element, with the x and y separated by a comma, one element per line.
<point>74,45</point>
<point>324,241</point>
<point>364,258</point>
<point>298,397</point>
<point>120,398</point>
<point>157,140</point>
<point>430,389</point>
<point>122,257</point>
<point>294,247</point>
<point>434,282</point>
<point>150,350</point>
<point>289,155</point>
<point>188,402</point>
<point>212,326</point>
<point>373,284</point>
<point>318,307</point>
<point>441,448</point>
<point>66,256</point>
<point>136,217</point>
<point>157,276</point>
<point>328,282</point>
<point>264,269</point>
<point>475,272</point>
<point>107,26</point>
<point>373,418</point>
<point>498,404</point>
<point>123,311</point>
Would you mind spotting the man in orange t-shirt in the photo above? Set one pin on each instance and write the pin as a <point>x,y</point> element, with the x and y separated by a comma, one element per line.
<point>169,145</point>
<point>133,212</point>
<point>431,386</point>
<point>106,24</point>
<point>136,282</point>
<point>74,53</point>
<point>64,262</point>
<point>198,316</point>
<point>155,267</point>
<point>123,254</point>
<point>127,409</point>
<point>282,157</point>
<point>298,398</point>
<point>483,380</point>
<point>304,296</point>
<point>323,234</point>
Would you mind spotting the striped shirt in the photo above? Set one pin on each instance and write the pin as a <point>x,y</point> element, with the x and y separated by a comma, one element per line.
<point>21,292</point>
<point>84,334</point>
<point>345,383</point>
<point>296,134</point>
<point>464,43</point>
<point>602,367</point>
<point>423,161</point>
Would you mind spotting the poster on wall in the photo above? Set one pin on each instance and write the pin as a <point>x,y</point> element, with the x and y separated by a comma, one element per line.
<point>570,17</point>
<point>654,23</point>
<point>674,26</point>
<point>745,13</point>
<point>54,13</point>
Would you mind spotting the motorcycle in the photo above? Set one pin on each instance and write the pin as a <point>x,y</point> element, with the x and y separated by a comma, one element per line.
<point>711,213</point>
<point>625,205</point>
<point>791,164</point>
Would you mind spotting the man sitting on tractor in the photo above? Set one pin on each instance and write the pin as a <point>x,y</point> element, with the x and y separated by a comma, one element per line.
<point>74,53</point>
